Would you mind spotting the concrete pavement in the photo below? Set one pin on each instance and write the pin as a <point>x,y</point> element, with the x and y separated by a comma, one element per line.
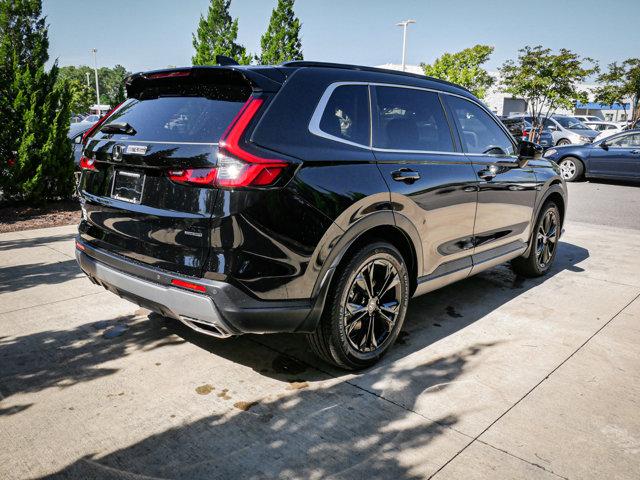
<point>495,377</point>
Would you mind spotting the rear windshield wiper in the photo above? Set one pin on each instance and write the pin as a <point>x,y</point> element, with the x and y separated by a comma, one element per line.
<point>119,128</point>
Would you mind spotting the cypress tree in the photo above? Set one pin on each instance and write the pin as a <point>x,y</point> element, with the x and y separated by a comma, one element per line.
<point>281,41</point>
<point>35,154</point>
<point>217,35</point>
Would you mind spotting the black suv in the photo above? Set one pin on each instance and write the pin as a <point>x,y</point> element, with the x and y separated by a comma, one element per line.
<point>307,197</point>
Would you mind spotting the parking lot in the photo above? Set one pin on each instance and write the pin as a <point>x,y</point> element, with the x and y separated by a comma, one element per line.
<point>494,377</point>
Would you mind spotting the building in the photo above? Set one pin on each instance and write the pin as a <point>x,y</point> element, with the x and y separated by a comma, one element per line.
<point>99,109</point>
<point>502,103</point>
<point>609,113</point>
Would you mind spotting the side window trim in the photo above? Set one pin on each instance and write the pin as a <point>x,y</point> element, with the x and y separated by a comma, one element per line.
<point>316,118</point>
<point>314,123</point>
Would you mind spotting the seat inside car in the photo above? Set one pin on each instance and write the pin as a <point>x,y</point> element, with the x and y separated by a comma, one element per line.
<point>402,133</point>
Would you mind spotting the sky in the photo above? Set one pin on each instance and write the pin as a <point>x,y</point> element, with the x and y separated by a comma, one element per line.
<point>151,34</point>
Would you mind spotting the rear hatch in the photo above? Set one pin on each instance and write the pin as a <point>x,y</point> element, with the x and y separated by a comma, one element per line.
<point>134,202</point>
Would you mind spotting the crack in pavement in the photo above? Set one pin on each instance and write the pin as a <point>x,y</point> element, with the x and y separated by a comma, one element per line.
<point>519,458</point>
<point>355,385</point>
<point>531,390</point>
<point>449,427</point>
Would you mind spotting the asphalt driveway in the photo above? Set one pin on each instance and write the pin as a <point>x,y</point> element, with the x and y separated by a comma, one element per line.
<point>495,377</point>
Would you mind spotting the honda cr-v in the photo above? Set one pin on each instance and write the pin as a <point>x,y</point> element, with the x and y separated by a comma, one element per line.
<point>307,197</point>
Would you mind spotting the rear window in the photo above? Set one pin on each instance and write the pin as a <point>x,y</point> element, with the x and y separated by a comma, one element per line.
<point>346,115</point>
<point>175,119</point>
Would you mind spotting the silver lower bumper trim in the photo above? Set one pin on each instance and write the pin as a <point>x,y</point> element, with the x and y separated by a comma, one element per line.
<point>196,311</point>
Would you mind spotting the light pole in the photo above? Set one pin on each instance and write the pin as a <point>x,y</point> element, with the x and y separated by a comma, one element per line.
<point>404,40</point>
<point>95,69</point>
<point>88,79</point>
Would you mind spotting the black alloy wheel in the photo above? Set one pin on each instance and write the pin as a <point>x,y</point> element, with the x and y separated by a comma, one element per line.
<point>547,238</point>
<point>365,308</point>
<point>544,243</point>
<point>372,305</point>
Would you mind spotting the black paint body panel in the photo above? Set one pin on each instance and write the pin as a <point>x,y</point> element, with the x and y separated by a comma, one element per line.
<point>280,246</point>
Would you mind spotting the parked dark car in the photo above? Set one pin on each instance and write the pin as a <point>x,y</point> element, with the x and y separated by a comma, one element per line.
<point>564,129</point>
<point>307,197</point>
<point>616,157</point>
<point>520,129</point>
<point>76,131</point>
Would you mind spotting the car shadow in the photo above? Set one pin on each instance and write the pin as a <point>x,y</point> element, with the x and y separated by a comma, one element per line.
<point>430,318</point>
<point>19,243</point>
<point>623,183</point>
<point>322,425</point>
<point>65,357</point>
<point>17,277</point>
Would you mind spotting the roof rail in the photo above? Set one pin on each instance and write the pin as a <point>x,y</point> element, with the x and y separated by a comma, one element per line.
<point>345,66</point>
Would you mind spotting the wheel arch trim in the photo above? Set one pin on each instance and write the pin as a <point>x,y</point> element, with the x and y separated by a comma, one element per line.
<point>351,236</point>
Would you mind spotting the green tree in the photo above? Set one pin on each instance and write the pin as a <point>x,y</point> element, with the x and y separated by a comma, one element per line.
<point>545,80</point>
<point>613,87</point>
<point>34,110</point>
<point>632,82</point>
<point>82,97</point>
<point>23,44</point>
<point>281,42</point>
<point>464,68</point>
<point>111,80</point>
<point>217,35</point>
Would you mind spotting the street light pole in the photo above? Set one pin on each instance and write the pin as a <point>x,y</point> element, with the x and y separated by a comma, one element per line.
<point>95,69</point>
<point>88,79</point>
<point>404,40</point>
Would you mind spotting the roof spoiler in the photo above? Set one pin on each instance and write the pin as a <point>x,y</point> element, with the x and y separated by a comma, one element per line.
<point>228,74</point>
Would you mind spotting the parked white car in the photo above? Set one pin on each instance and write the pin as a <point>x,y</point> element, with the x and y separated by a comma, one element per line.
<point>603,126</point>
<point>588,118</point>
<point>610,131</point>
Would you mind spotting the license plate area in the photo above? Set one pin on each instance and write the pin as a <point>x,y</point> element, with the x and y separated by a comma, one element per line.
<point>127,186</point>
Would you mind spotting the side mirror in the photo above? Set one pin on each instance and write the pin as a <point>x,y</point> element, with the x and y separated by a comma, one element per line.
<point>528,151</point>
<point>604,145</point>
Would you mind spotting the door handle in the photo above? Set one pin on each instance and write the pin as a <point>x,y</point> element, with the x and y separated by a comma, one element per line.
<point>488,173</point>
<point>405,175</point>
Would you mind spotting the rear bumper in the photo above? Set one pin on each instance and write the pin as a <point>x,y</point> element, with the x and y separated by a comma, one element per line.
<point>221,311</point>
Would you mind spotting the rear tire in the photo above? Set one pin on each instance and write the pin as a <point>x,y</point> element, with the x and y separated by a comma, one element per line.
<point>365,308</point>
<point>571,169</point>
<point>544,244</point>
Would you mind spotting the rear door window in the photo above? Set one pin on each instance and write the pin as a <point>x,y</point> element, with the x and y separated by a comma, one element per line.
<point>627,141</point>
<point>479,132</point>
<point>175,119</point>
<point>346,115</point>
<point>410,119</point>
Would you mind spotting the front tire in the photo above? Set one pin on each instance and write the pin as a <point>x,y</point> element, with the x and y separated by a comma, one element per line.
<point>365,308</point>
<point>544,244</point>
<point>563,141</point>
<point>571,169</point>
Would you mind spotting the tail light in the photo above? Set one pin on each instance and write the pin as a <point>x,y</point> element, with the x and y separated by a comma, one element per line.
<point>95,127</point>
<point>87,163</point>
<point>236,167</point>
<point>170,74</point>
